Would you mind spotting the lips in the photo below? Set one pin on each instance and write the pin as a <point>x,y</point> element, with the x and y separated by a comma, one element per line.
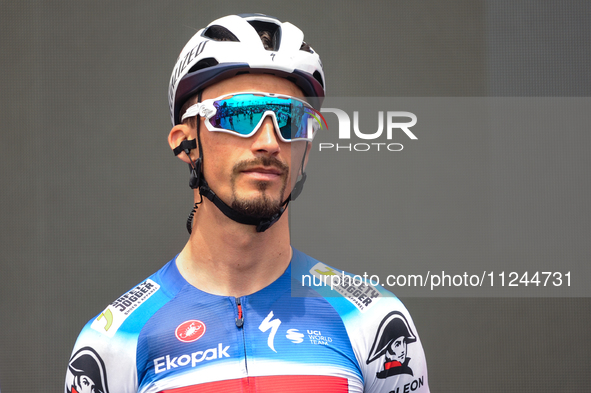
<point>268,170</point>
<point>264,173</point>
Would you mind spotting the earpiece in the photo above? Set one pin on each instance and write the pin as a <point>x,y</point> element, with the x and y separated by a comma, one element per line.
<point>186,146</point>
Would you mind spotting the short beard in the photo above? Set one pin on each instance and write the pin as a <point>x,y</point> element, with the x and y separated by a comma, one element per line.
<point>262,206</point>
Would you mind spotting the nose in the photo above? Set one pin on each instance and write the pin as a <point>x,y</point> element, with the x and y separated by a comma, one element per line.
<point>266,139</point>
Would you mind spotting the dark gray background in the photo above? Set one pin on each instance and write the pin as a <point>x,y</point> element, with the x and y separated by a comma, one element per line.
<point>493,187</point>
<point>93,200</point>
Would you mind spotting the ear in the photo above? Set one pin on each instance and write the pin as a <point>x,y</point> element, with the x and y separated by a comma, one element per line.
<point>179,133</point>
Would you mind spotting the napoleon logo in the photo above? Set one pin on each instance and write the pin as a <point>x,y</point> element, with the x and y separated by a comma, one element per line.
<point>390,346</point>
<point>86,373</point>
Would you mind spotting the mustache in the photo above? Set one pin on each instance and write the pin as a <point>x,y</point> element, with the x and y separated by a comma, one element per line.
<point>266,161</point>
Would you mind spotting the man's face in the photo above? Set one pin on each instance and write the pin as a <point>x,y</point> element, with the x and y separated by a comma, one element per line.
<point>398,349</point>
<point>84,384</point>
<point>253,175</point>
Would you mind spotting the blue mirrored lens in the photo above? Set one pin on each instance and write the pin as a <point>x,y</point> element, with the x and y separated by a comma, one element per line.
<point>242,113</point>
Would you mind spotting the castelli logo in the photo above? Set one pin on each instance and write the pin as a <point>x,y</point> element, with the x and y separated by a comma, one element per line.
<point>190,331</point>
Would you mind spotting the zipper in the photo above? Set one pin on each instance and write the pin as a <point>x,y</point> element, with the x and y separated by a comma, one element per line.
<point>240,325</point>
<point>240,319</point>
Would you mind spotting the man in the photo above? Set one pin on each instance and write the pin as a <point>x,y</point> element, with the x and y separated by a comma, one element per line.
<point>221,316</point>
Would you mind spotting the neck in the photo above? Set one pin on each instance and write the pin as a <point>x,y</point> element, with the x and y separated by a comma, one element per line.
<point>224,257</point>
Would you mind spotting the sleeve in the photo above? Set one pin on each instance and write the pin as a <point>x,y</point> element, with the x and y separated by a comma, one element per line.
<point>389,350</point>
<point>102,362</point>
<point>104,358</point>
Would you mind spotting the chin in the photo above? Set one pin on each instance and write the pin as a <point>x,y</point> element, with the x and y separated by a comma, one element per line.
<point>258,207</point>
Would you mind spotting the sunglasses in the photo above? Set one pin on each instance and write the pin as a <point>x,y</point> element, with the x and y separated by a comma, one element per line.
<point>242,114</point>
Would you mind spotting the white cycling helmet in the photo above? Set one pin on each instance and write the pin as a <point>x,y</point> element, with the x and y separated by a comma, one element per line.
<point>231,45</point>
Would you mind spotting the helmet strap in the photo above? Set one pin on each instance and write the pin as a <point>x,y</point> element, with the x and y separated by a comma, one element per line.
<point>299,185</point>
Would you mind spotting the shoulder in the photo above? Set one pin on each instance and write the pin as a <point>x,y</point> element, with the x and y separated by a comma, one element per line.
<point>352,295</point>
<point>106,346</point>
<point>381,330</point>
<point>123,315</point>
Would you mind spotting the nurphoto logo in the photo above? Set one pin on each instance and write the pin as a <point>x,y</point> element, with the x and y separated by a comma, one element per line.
<point>394,123</point>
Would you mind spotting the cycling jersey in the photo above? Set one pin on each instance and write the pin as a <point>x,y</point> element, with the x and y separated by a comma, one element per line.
<point>315,329</point>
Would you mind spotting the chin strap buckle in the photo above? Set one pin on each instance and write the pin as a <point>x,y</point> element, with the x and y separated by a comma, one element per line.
<point>262,226</point>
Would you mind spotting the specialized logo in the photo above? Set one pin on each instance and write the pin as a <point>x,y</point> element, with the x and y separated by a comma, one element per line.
<point>117,312</point>
<point>390,345</point>
<point>294,336</point>
<point>181,65</point>
<point>164,363</point>
<point>273,324</point>
<point>86,373</point>
<point>190,331</point>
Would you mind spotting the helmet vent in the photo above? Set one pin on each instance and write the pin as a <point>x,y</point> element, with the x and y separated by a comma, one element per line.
<point>318,77</point>
<point>270,34</point>
<point>306,48</point>
<point>204,63</point>
<point>219,33</point>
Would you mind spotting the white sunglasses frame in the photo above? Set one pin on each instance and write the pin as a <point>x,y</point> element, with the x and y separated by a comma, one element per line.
<point>206,110</point>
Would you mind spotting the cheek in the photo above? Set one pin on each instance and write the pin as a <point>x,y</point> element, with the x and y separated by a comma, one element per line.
<point>216,154</point>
